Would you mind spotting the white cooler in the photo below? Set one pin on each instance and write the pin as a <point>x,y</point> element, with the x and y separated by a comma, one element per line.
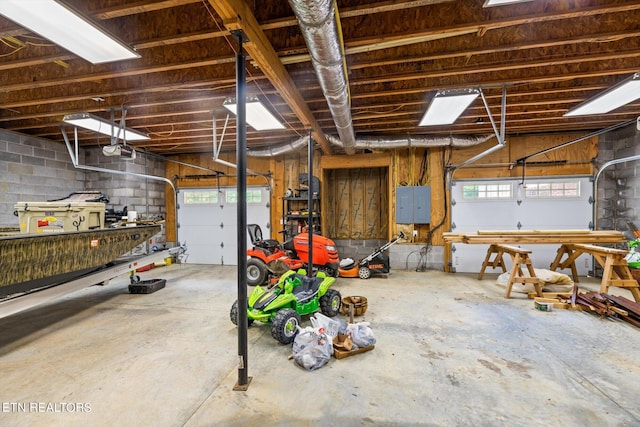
<point>55,217</point>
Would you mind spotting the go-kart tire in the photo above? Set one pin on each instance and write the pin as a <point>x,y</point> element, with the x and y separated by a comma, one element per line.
<point>330,303</point>
<point>233,314</point>
<point>364,273</point>
<point>284,325</point>
<point>256,272</point>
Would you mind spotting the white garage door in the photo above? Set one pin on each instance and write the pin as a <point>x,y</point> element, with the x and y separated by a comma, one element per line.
<point>207,219</point>
<point>545,204</point>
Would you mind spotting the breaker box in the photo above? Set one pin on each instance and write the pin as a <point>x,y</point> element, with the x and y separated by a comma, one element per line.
<point>413,205</point>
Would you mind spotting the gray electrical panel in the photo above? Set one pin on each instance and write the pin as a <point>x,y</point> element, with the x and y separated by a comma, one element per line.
<point>413,205</point>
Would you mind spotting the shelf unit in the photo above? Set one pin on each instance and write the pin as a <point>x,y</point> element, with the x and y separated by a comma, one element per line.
<point>295,213</point>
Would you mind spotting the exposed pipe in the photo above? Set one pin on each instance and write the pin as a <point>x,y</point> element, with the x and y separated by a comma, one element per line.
<point>217,146</point>
<point>594,213</point>
<point>74,160</point>
<point>573,141</point>
<point>277,150</point>
<point>393,142</point>
<point>378,143</point>
<point>499,134</point>
<point>320,25</point>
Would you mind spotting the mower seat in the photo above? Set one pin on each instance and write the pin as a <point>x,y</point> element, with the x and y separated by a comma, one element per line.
<point>255,234</point>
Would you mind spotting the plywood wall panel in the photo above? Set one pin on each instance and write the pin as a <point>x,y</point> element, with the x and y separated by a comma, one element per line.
<point>373,210</point>
<point>343,205</point>
<point>357,206</point>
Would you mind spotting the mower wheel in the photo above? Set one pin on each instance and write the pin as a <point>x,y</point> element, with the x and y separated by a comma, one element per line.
<point>364,273</point>
<point>233,314</point>
<point>330,303</point>
<point>256,272</point>
<point>284,326</point>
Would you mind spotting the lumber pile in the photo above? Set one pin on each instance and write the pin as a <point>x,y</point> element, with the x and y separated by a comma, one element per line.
<point>535,236</point>
<point>611,306</point>
<point>598,303</point>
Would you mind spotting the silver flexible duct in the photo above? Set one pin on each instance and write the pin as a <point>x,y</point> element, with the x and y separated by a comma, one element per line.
<point>405,141</point>
<point>379,143</point>
<point>287,147</point>
<point>320,27</point>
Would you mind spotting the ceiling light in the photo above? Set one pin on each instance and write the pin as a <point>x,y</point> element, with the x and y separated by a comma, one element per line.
<point>447,106</point>
<point>490,3</point>
<point>66,28</point>
<point>258,117</point>
<point>97,124</point>
<point>623,93</point>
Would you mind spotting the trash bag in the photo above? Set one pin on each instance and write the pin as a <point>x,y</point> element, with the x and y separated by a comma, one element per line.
<point>551,281</point>
<point>361,334</point>
<point>312,349</point>
<point>325,324</point>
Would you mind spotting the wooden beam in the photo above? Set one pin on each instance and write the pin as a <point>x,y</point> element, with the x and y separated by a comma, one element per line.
<point>236,15</point>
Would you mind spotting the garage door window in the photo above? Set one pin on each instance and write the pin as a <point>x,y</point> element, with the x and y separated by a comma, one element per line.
<point>192,197</point>
<point>544,190</point>
<point>486,191</point>
<point>253,196</point>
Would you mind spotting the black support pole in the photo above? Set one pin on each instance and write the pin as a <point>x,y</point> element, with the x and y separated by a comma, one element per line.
<point>310,203</point>
<point>241,161</point>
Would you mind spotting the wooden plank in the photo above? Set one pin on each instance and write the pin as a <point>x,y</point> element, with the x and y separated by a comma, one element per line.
<point>598,250</point>
<point>513,249</point>
<point>438,192</point>
<point>518,232</point>
<point>554,295</point>
<point>341,354</point>
<point>580,238</point>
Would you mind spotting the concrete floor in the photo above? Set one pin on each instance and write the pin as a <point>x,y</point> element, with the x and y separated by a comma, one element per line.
<point>451,351</point>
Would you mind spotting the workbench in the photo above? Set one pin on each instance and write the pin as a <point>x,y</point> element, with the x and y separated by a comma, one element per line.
<point>615,272</point>
<point>500,242</point>
<point>517,237</point>
<point>519,258</point>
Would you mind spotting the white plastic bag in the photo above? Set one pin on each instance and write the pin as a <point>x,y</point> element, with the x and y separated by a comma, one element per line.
<point>361,334</point>
<point>327,324</point>
<point>311,349</point>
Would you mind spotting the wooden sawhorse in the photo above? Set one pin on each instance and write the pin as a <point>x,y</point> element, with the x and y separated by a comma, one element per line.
<point>519,257</point>
<point>615,273</point>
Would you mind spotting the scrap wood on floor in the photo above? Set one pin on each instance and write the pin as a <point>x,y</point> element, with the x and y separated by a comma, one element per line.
<point>602,304</point>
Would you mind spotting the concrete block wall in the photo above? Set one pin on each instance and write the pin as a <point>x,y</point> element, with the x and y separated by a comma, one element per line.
<point>36,169</point>
<point>33,169</point>
<point>401,256</point>
<point>143,195</point>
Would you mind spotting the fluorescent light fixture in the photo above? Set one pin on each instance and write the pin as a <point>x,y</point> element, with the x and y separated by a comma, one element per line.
<point>623,93</point>
<point>97,124</point>
<point>258,117</point>
<point>490,3</point>
<point>446,106</point>
<point>66,28</point>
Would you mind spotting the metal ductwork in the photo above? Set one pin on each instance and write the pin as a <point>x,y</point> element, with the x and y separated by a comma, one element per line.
<point>320,26</point>
<point>379,143</point>
<point>287,147</point>
<point>391,142</point>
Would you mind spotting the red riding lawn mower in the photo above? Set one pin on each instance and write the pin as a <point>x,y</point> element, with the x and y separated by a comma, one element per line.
<point>269,258</point>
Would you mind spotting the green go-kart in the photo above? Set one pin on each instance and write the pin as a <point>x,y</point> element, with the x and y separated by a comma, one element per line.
<point>294,295</point>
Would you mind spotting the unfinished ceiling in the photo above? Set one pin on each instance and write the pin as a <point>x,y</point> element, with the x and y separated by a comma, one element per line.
<point>550,55</point>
